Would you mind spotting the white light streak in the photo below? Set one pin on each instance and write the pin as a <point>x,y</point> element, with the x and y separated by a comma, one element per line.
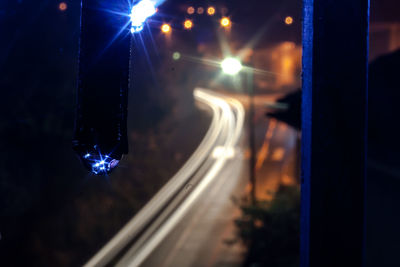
<point>222,152</point>
<point>226,126</point>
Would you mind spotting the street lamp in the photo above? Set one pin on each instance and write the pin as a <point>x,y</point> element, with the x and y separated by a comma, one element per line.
<point>166,28</point>
<point>289,20</point>
<point>231,66</point>
<point>188,24</point>
<point>139,13</point>
<point>211,11</point>
<point>225,22</point>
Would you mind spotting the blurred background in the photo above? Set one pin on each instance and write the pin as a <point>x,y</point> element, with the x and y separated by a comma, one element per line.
<point>54,213</point>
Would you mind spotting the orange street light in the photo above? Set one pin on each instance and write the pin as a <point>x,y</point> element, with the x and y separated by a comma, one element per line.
<point>288,20</point>
<point>166,28</point>
<point>225,22</point>
<point>211,11</point>
<point>190,10</point>
<point>62,6</point>
<point>188,24</point>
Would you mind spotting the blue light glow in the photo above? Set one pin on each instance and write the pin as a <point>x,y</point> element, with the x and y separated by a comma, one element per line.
<point>99,163</point>
<point>140,12</point>
<point>103,166</point>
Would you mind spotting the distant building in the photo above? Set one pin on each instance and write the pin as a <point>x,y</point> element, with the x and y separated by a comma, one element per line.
<point>384,38</point>
<point>278,67</point>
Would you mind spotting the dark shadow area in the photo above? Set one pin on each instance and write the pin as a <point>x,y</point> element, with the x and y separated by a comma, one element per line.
<point>52,211</point>
<point>383,179</point>
<point>271,229</point>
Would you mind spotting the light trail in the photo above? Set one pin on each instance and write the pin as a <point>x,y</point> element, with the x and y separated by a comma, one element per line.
<point>231,132</point>
<point>159,216</point>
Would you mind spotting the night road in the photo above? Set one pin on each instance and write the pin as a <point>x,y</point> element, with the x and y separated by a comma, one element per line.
<point>190,221</point>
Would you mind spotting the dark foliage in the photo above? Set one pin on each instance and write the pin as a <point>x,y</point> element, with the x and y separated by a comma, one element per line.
<point>271,229</point>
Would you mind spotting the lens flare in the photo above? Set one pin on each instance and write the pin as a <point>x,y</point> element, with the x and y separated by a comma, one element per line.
<point>176,56</point>
<point>231,66</point>
<point>99,164</point>
<point>140,13</point>
<point>288,20</point>
<point>190,10</point>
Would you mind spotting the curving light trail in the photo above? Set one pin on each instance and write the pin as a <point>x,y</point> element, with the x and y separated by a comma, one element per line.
<point>162,213</point>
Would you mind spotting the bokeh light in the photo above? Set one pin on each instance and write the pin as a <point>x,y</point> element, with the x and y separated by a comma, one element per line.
<point>190,10</point>
<point>200,10</point>
<point>211,11</point>
<point>288,20</point>
<point>188,24</point>
<point>225,22</point>
<point>166,28</point>
<point>176,56</point>
<point>62,6</point>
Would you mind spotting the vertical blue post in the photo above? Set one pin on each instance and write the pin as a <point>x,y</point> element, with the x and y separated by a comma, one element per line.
<point>335,49</point>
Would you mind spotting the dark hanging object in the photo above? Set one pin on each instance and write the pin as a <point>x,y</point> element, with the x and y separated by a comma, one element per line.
<point>291,113</point>
<point>100,137</point>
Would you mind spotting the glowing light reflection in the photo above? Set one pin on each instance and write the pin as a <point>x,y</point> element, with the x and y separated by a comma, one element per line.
<point>100,164</point>
<point>62,6</point>
<point>190,10</point>
<point>288,20</point>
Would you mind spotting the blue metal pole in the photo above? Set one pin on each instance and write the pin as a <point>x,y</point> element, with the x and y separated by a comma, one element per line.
<point>334,108</point>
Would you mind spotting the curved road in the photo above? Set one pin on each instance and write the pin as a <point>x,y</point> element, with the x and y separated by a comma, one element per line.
<point>203,178</point>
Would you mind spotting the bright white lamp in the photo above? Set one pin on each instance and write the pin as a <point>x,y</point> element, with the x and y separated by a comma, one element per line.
<point>231,66</point>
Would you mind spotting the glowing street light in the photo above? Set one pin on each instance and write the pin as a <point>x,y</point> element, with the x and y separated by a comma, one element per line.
<point>139,13</point>
<point>166,28</point>
<point>188,24</point>
<point>231,66</point>
<point>62,6</point>
<point>288,20</point>
<point>225,22</point>
<point>190,10</point>
<point>211,11</point>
